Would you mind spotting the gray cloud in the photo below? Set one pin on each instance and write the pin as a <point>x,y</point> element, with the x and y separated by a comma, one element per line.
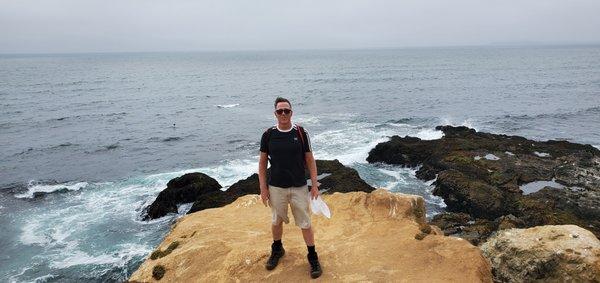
<point>151,25</point>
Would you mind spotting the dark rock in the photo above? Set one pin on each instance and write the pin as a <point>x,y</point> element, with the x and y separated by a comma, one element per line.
<point>408,151</point>
<point>184,189</point>
<point>341,179</point>
<point>480,174</point>
<point>247,186</point>
<point>42,194</point>
<point>508,222</point>
<point>464,226</point>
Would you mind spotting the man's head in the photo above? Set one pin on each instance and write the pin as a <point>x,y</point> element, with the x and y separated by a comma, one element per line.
<point>283,110</point>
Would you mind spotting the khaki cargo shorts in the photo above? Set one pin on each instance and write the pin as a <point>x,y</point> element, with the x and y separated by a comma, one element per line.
<point>298,199</point>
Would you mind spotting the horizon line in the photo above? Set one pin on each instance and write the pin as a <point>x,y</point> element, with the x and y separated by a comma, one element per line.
<point>495,44</point>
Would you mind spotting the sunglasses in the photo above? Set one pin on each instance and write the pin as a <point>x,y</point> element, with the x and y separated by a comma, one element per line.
<point>284,110</point>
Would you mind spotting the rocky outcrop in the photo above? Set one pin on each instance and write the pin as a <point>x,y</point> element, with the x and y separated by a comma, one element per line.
<point>482,175</point>
<point>184,189</point>
<point>339,178</point>
<point>377,236</point>
<point>474,230</point>
<point>564,253</point>
<point>205,192</point>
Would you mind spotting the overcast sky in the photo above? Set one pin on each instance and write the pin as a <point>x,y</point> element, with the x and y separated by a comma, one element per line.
<point>48,26</point>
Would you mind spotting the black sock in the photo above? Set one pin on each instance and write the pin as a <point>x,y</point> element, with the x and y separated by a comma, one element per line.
<point>311,251</point>
<point>277,244</point>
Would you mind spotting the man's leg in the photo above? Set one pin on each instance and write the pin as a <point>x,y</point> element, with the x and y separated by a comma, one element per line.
<point>278,200</point>
<point>309,236</point>
<point>300,203</point>
<point>277,231</point>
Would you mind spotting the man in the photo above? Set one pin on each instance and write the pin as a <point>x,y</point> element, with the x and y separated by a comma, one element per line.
<point>287,147</point>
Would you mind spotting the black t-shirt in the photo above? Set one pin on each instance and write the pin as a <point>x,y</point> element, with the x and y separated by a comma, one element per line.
<point>286,155</point>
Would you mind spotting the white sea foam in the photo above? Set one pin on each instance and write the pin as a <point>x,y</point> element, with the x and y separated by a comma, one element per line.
<point>226,173</point>
<point>73,256</point>
<point>44,278</point>
<point>182,209</point>
<point>401,125</point>
<point>392,173</point>
<point>429,134</point>
<point>312,120</point>
<point>82,258</point>
<point>13,278</point>
<point>227,105</point>
<point>32,189</point>
<point>33,234</point>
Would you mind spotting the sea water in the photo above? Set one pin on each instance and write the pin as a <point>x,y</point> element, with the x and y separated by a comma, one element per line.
<point>88,140</point>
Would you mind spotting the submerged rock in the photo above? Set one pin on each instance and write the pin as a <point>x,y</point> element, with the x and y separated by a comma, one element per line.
<point>377,236</point>
<point>564,253</point>
<point>482,175</point>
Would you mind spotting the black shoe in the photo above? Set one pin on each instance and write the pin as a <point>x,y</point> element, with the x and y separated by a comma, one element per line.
<point>276,254</point>
<point>315,266</point>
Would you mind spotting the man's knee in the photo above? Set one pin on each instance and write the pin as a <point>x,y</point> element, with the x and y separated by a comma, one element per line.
<point>306,227</point>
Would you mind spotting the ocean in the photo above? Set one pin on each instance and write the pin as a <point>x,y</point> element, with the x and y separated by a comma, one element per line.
<point>89,140</point>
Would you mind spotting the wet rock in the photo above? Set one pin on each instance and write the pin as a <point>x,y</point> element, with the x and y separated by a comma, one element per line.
<point>462,225</point>
<point>184,189</point>
<point>565,253</point>
<point>481,174</point>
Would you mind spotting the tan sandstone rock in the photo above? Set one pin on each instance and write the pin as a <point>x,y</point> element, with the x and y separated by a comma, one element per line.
<point>552,253</point>
<point>370,237</point>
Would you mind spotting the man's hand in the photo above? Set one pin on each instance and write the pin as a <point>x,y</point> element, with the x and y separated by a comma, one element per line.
<point>314,192</point>
<point>264,195</point>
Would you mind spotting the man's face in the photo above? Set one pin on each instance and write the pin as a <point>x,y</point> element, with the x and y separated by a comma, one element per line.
<point>283,112</point>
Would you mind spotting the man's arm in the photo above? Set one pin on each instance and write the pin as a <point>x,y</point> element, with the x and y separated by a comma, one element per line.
<point>312,169</point>
<point>262,177</point>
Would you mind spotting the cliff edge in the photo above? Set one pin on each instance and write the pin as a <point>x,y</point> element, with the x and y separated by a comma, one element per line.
<point>377,236</point>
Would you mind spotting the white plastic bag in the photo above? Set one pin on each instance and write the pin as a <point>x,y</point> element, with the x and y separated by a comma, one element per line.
<point>318,206</point>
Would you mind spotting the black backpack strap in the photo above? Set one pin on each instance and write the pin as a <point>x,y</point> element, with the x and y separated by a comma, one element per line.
<point>300,132</point>
<point>268,132</point>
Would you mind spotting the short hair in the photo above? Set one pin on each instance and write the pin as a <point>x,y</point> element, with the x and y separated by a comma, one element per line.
<point>281,99</point>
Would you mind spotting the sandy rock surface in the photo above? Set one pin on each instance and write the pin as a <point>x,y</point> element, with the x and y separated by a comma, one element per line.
<point>552,253</point>
<point>370,237</point>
